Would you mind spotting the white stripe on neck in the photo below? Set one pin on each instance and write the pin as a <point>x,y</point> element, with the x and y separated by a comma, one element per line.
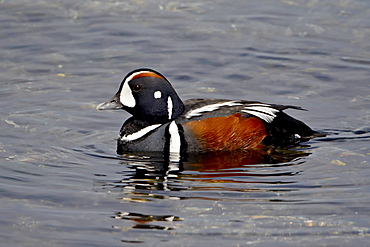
<point>175,142</point>
<point>169,107</point>
<point>140,133</point>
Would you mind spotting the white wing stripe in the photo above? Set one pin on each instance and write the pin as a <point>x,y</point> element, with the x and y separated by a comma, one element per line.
<point>267,110</point>
<point>207,108</point>
<point>259,104</point>
<point>262,111</point>
<point>263,116</point>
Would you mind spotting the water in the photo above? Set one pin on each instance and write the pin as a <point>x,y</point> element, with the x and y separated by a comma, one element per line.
<point>61,183</point>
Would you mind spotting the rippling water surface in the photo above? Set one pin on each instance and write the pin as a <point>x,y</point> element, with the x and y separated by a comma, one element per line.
<point>61,183</point>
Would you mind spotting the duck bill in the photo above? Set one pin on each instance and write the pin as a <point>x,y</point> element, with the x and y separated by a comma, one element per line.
<point>112,104</point>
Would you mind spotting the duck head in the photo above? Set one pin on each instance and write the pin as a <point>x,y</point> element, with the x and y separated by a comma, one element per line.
<point>148,96</point>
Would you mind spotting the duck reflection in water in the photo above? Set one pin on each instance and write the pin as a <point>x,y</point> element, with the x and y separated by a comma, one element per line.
<point>152,172</point>
<point>156,178</point>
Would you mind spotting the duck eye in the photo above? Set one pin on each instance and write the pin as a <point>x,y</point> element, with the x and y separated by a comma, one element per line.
<point>136,88</point>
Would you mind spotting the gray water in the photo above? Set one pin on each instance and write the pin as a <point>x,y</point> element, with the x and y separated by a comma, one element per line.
<point>61,183</point>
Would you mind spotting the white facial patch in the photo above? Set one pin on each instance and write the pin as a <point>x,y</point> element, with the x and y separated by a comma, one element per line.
<point>140,133</point>
<point>126,96</point>
<point>198,112</point>
<point>262,111</point>
<point>169,107</point>
<point>175,142</point>
<point>157,94</point>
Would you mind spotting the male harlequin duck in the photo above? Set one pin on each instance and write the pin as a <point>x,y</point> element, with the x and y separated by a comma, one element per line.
<point>162,122</point>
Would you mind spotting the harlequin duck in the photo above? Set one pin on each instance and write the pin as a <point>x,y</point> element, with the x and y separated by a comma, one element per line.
<point>162,122</point>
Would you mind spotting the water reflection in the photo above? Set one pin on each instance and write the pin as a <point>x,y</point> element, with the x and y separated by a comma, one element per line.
<point>143,221</point>
<point>255,175</point>
<point>154,173</point>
